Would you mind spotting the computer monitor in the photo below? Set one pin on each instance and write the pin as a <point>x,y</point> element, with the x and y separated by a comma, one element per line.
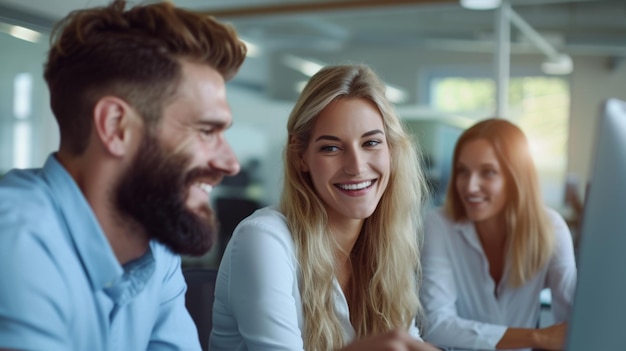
<point>599,317</point>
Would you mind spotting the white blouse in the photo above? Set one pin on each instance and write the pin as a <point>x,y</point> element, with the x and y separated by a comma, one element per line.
<point>257,300</point>
<point>458,292</point>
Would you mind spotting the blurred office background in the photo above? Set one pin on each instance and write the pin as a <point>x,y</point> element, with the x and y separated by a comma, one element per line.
<point>544,64</point>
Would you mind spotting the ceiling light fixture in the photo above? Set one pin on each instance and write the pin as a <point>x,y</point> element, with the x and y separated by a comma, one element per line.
<point>561,65</point>
<point>253,49</point>
<point>309,67</point>
<point>481,4</point>
<point>20,32</point>
<point>304,66</point>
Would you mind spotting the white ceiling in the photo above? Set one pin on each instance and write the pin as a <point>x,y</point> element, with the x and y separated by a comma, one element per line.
<point>58,8</point>
<point>365,28</point>
<point>591,22</point>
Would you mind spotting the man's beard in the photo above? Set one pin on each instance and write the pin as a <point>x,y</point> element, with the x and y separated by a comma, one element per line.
<point>153,193</point>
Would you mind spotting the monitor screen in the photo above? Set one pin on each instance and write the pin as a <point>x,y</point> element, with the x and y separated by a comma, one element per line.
<point>599,317</point>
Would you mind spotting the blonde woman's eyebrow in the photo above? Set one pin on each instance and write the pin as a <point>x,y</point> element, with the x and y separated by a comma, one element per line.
<point>372,132</point>
<point>334,138</point>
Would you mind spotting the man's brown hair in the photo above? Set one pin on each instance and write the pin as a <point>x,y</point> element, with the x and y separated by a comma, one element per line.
<point>133,54</point>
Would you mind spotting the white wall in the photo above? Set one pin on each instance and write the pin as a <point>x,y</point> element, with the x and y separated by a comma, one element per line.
<point>593,81</point>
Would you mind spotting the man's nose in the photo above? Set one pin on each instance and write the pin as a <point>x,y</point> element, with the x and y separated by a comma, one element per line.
<point>225,159</point>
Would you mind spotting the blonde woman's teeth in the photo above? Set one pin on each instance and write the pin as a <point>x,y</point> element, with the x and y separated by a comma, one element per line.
<point>357,186</point>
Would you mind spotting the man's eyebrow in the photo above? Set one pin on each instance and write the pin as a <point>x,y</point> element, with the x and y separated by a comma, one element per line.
<point>327,137</point>
<point>214,124</point>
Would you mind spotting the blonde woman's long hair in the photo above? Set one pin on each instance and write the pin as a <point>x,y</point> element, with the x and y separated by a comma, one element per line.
<point>385,258</point>
<point>530,236</point>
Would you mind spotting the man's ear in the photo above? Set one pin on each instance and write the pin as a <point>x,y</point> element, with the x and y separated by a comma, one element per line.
<point>113,121</point>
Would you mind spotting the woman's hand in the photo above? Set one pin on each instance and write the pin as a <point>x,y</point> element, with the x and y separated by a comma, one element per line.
<point>395,340</point>
<point>552,337</point>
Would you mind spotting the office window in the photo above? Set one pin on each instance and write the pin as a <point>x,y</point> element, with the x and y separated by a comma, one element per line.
<point>22,125</point>
<point>538,104</point>
<point>28,132</point>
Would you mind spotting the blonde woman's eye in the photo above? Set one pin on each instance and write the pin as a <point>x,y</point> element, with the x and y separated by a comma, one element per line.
<point>371,143</point>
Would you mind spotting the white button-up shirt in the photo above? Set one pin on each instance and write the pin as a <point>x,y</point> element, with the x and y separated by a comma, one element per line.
<point>257,297</point>
<point>462,309</point>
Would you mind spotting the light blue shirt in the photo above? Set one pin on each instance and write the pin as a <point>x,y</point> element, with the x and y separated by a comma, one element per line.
<point>61,286</point>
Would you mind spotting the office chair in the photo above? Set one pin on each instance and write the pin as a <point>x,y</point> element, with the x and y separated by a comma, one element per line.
<point>199,300</point>
<point>230,212</point>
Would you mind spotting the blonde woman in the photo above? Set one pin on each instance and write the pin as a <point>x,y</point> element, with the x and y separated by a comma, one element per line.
<point>492,249</point>
<point>336,264</point>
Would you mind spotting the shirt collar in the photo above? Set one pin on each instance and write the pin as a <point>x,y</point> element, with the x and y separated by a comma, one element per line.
<point>94,250</point>
<point>467,231</point>
<point>136,275</point>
